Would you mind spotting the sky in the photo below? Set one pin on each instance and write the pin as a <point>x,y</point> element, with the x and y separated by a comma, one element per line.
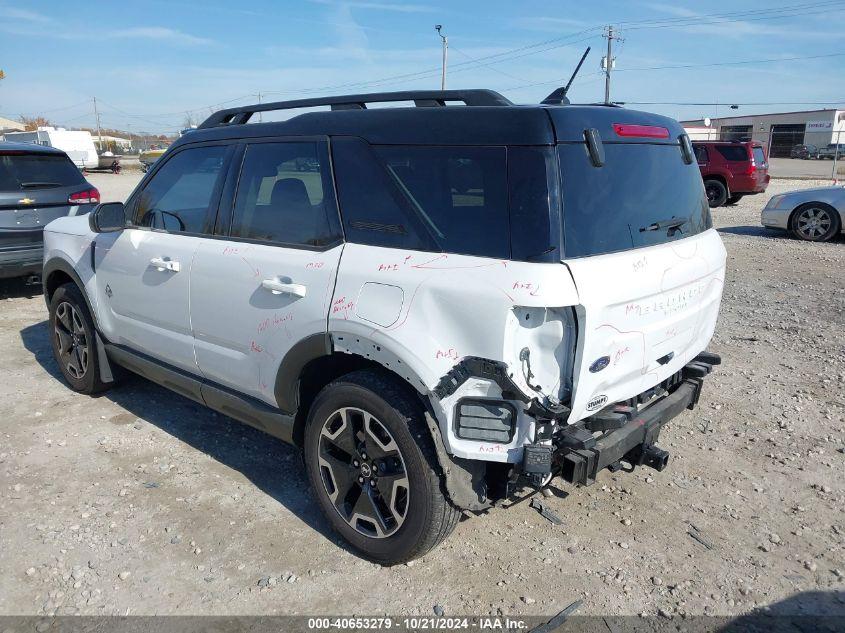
<point>158,64</point>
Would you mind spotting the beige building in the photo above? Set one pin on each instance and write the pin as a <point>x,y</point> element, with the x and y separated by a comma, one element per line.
<point>782,131</point>
<point>7,125</point>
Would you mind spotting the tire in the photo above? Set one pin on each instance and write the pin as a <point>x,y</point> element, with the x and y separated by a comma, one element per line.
<point>717,192</point>
<point>401,511</point>
<point>814,222</point>
<point>735,198</point>
<point>74,342</point>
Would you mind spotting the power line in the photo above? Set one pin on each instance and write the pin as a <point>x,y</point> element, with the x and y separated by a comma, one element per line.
<point>734,63</point>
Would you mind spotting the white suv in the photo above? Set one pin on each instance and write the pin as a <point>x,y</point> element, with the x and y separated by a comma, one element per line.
<point>438,304</point>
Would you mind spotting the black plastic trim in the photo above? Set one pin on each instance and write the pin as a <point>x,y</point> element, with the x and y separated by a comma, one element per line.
<point>303,352</point>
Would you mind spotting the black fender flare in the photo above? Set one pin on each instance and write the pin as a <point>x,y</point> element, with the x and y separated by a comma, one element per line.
<point>59,264</point>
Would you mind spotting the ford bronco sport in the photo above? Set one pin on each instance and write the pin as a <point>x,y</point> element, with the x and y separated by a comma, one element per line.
<point>448,305</point>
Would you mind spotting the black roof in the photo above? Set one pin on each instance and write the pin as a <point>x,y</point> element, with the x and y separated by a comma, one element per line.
<point>488,118</point>
<point>34,148</point>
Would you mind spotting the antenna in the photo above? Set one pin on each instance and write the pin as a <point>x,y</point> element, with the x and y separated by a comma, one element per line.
<point>558,96</point>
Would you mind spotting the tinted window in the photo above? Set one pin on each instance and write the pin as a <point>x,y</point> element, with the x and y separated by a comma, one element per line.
<point>282,195</point>
<point>534,204</point>
<point>373,210</point>
<point>733,152</point>
<point>700,153</point>
<point>37,171</point>
<point>459,193</point>
<point>177,198</point>
<point>759,156</point>
<point>615,207</point>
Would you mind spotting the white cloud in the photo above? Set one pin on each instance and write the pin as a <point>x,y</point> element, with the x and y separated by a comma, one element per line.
<point>159,33</point>
<point>400,7</point>
<point>13,13</point>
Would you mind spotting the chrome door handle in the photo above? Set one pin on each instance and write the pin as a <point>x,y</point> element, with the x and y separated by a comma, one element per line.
<point>279,287</point>
<point>162,264</point>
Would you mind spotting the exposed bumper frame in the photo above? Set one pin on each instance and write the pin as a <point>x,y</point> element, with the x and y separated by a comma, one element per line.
<point>580,456</point>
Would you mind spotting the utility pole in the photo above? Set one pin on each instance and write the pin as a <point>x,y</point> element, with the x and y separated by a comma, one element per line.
<point>445,41</point>
<point>608,62</point>
<point>97,116</point>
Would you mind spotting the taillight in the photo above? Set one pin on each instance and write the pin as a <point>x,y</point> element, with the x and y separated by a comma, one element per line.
<point>749,171</point>
<point>642,131</point>
<point>89,196</point>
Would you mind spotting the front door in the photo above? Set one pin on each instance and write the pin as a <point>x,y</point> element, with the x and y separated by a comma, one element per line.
<point>265,283</point>
<point>143,272</point>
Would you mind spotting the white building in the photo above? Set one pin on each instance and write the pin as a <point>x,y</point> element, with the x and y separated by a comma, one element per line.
<point>781,130</point>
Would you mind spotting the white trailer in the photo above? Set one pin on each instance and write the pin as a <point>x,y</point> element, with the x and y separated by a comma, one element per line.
<point>77,144</point>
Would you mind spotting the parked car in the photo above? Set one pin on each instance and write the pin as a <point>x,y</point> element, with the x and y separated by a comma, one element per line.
<point>804,151</point>
<point>832,150</point>
<point>815,215</point>
<point>429,315</point>
<point>37,185</point>
<point>148,157</point>
<point>731,169</point>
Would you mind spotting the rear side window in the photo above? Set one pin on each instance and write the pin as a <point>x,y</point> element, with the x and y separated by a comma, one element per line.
<point>283,195</point>
<point>21,171</point>
<point>178,197</point>
<point>733,153</point>
<point>374,212</point>
<point>700,153</point>
<point>459,193</point>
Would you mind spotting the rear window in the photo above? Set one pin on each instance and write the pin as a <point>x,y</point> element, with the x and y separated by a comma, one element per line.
<point>632,200</point>
<point>735,153</point>
<point>37,171</point>
<point>759,156</point>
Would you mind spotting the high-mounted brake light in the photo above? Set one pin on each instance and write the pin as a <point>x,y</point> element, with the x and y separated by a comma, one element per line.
<point>642,131</point>
<point>89,196</point>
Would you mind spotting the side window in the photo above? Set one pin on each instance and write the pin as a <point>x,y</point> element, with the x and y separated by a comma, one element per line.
<point>700,154</point>
<point>284,195</point>
<point>178,197</point>
<point>733,153</point>
<point>459,193</point>
<point>373,210</point>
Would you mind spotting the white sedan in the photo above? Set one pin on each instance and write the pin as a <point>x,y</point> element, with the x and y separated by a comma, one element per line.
<point>815,215</point>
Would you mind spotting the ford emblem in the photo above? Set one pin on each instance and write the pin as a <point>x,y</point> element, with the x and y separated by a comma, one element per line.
<point>599,364</point>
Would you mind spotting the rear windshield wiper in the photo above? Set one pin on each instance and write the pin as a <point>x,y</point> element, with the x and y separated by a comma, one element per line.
<point>671,223</point>
<point>39,185</point>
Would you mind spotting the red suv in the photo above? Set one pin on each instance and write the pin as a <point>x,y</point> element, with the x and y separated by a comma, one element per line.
<point>731,169</point>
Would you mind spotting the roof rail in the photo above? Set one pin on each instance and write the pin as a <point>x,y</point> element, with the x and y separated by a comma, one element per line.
<point>421,98</point>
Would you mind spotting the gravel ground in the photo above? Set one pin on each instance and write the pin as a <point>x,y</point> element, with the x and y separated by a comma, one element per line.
<point>142,502</point>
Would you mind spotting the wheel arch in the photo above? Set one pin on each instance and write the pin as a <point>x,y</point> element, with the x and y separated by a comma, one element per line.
<point>57,272</point>
<point>721,178</point>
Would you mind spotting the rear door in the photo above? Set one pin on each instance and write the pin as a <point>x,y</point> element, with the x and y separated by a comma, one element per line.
<point>263,284</point>
<point>647,264</point>
<point>143,272</point>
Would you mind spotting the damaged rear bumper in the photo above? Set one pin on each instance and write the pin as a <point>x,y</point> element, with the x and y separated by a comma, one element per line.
<point>623,433</point>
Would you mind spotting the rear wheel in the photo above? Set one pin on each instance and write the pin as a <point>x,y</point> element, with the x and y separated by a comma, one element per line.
<point>814,222</point>
<point>717,192</point>
<point>371,465</point>
<point>735,198</point>
<point>74,341</point>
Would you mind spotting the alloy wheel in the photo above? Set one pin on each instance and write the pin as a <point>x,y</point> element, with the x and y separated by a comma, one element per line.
<point>363,472</point>
<point>813,222</point>
<point>73,342</point>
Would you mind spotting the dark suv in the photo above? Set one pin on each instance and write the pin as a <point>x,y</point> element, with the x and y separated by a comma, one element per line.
<point>37,185</point>
<point>731,169</point>
<point>804,152</point>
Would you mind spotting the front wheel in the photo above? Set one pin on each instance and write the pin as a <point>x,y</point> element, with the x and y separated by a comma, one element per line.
<point>814,222</point>
<point>717,193</point>
<point>372,467</point>
<point>74,341</point>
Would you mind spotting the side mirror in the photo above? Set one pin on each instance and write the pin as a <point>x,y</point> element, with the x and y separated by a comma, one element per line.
<point>107,218</point>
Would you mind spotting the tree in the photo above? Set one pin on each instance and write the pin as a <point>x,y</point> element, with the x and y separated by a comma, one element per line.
<point>2,75</point>
<point>32,123</point>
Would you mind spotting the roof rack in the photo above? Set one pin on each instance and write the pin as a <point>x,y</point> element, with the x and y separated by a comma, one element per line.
<point>421,98</point>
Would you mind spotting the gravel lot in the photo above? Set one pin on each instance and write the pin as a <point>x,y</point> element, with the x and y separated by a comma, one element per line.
<point>142,502</point>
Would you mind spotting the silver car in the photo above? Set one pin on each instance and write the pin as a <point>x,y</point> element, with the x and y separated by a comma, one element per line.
<point>816,215</point>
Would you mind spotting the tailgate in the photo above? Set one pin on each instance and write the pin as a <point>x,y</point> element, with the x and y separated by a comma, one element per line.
<point>644,314</point>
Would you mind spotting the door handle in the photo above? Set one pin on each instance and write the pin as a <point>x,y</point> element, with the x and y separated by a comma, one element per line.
<point>279,287</point>
<point>162,264</point>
